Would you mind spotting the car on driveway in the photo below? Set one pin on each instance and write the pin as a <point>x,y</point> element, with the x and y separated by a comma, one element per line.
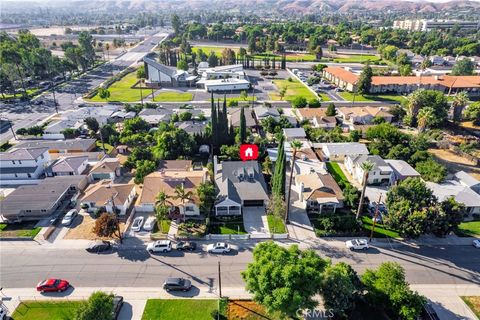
<point>137,224</point>
<point>219,247</point>
<point>149,224</point>
<point>357,244</point>
<point>99,246</point>
<point>117,306</point>
<point>476,243</point>
<point>159,246</point>
<point>69,217</point>
<point>186,246</point>
<point>53,285</point>
<point>177,284</point>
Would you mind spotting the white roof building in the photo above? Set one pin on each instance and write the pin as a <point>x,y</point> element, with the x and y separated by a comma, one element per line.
<point>459,192</point>
<point>340,150</point>
<point>294,133</point>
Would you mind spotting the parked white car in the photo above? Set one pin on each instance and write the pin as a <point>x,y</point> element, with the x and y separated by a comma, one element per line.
<point>219,247</point>
<point>137,224</point>
<point>357,244</point>
<point>476,243</point>
<point>149,223</point>
<point>69,217</point>
<point>159,246</point>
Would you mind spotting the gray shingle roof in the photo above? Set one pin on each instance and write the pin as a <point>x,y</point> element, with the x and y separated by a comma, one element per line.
<point>377,161</point>
<point>235,117</point>
<point>68,164</point>
<point>23,153</point>
<point>76,144</point>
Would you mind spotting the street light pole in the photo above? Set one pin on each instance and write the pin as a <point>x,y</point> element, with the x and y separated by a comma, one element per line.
<point>219,280</point>
<point>375,217</point>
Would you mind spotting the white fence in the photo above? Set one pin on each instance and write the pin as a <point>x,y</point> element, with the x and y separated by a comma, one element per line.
<point>275,236</point>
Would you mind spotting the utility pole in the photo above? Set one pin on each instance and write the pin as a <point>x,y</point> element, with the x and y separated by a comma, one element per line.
<point>375,217</point>
<point>117,223</point>
<point>219,280</point>
<point>11,128</point>
<point>103,143</point>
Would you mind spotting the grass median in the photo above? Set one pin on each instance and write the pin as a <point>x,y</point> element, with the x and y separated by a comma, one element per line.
<point>179,309</point>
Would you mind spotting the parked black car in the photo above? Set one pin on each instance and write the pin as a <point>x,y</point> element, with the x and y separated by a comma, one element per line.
<point>186,245</point>
<point>99,246</point>
<point>117,306</point>
<point>177,284</point>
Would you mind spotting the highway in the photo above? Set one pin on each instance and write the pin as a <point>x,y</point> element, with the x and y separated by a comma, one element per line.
<point>22,266</point>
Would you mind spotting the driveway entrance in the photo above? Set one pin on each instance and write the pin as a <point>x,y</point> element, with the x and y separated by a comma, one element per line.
<point>255,220</point>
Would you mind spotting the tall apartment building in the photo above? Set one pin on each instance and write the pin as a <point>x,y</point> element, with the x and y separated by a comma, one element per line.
<point>427,25</point>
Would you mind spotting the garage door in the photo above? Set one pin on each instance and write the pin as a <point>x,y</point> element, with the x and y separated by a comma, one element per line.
<point>253,203</point>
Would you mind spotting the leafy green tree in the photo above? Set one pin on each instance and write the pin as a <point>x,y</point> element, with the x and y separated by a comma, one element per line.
<point>183,195</point>
<point>106,225</point>
<point>174,143</point>
<point>284,280</point>
<point>98,306</point>
<point>473,113</point>
<point>212,60</point>
<point>388,291</point>
<point>92,124</point>
<point>431,170</point>
<point>331,111</point>
<point>299,102</point>
<point>464,67</point>
<point>206,193</point>
<point>185,116</point>
<point>365,80</point>
<point>446,217</point>
<point>144,168</point>
<point>10,54</point>
<point>282,92</point>
<point>141,74</point>
<point>314,103</point>
<point>341,287</point>
<point>425,118</point>
<point>104,93</point>
<point>176,24</point>
<point>459,102</point>
<point>243,95</point>
<point>182,65</point>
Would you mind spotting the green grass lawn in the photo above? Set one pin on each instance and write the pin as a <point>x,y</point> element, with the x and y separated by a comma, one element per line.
<point>228,228</point>
<point>46,310</point>
<point>380,230</point>
<point>469,229</point>
<point>108,147</point>
<point>275,224</point>
<point>373,97</point>
<point>217,50</point>
<point>294,88</point>
<point>2,226</point>
<point>179,309</point>
<point>173,96</point>
<point>358,59</point>
<point>122,91</point>
<point>336,172</point>
<point>19,230</point>
<point>473,303</point>
<point>30,92</point>
<point>324,97</point>
<point>289,56</point>
<point>349,96</point>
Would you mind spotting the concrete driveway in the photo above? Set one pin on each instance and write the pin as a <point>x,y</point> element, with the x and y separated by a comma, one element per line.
<point>255,220</point>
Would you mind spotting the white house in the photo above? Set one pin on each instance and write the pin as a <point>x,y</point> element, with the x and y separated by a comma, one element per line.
<point>381,172</point>
<point>108,168</point>
<point>318,192</point>
<point>363,115</point>
<point>401,170</point>
<point>23,165</point>
<point>468,181</point>
<point>338,151</point>
<point>106,196</point>
<point>54,131</point>
<point>459,192</point>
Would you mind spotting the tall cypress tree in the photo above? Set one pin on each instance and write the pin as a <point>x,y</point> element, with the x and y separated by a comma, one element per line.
<point>214,124</point>
<point>243,126</point>
<point>231,135</point>
<point>279,168</point>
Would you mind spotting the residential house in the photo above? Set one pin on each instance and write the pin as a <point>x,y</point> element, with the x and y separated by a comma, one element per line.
<point>54,130</point>
<point>175,165</point>
<point>154,116</point>
<point>262,113</point>
<point>338,151</point>
<point>468,181</point>
<point>234,117</point>
<point>192,127</point>
<point>317,117</point>
<point>68,166</point>
<point>102,113</point>
<point>168,181</point>
<point>104,195</point>
<point>401,170</point>
<point>120,116</point>
<point>23,165</point>
<point>291,134</point>
<point>363,115</point>
<point>35,202</point>
<point>381,172</point>
<point>240,184</point>
<point>60,146</point>
<point>108,168</point>
<point>318,192</point>
<point>461,194</point>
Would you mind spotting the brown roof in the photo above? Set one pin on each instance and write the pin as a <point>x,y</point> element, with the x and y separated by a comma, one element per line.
<point>175,165</point>
<point>326,120</point>
<point>317,185</point>
<point>167,181</point>
<point>102,192</point>
<point>342,74</point>
<point>310,113</point>
<point>107,165</point>
<point>367,110</point>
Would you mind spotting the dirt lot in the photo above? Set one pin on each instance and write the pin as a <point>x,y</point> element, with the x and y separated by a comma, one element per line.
<point>455,162</point>
<point>246,310</point>
<point>83,226</point>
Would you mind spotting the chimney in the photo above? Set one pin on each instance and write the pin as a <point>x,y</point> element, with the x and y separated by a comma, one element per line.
<point>215,165</point>
<point>300,191</point>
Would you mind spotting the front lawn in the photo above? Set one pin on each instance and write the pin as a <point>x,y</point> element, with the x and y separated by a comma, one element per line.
<point>358,97</point>
<point>46,310</point>
<point>392,98</point>
<point>173,96</point>
<point>358,59</point>
<point>294,88</point>
<point>337,172</point>
<point>13,230</point>
<point>275,224</point>
<point>122,91</point>
<point>473,302</point>
<point>227,228</point>
<point>469,229</point>
<point>247,310</point>
<point>381,231</point>
<point>192,229</point>
<point>179,309</point>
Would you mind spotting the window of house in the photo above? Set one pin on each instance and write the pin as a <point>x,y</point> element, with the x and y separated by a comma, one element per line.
<point>13,161</point>
<point>19,161</point>
<point>43,210</point>
<point>16,175</point>
<point>28,210</point>
<point>29,175</point>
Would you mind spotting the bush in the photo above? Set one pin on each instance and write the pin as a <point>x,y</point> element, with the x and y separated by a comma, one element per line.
<point>299,102</point>
<point>314,103</point>
<point>232,103</point>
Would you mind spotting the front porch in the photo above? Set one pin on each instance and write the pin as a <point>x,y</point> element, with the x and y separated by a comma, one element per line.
<point>323,205</point>
<point>228,207</point>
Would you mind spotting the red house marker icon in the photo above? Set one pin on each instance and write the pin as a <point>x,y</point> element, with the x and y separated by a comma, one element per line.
<point>248,152</point>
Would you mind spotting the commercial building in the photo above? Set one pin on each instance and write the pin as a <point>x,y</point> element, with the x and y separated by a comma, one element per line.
<point>428,25</point>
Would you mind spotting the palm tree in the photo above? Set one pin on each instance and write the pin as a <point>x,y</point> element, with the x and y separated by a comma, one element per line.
<point>183,195</point>
<point>161,208</point>
<point>295,145</point>
<point>426,116</point>
<point>366,166</point>
<point>414,103</point>
<point>459,102</point>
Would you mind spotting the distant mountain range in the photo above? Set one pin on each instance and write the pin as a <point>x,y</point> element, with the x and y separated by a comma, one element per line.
<point>293,6</point>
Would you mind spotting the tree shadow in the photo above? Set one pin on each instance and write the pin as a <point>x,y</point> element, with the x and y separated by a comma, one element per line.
<point>135,251</point>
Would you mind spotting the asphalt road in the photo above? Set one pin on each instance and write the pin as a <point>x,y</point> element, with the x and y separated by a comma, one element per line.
<point>26,114</point>
<point>25,266</point>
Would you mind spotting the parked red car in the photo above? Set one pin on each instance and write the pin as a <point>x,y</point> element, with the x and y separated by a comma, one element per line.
<point>53,285</point>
